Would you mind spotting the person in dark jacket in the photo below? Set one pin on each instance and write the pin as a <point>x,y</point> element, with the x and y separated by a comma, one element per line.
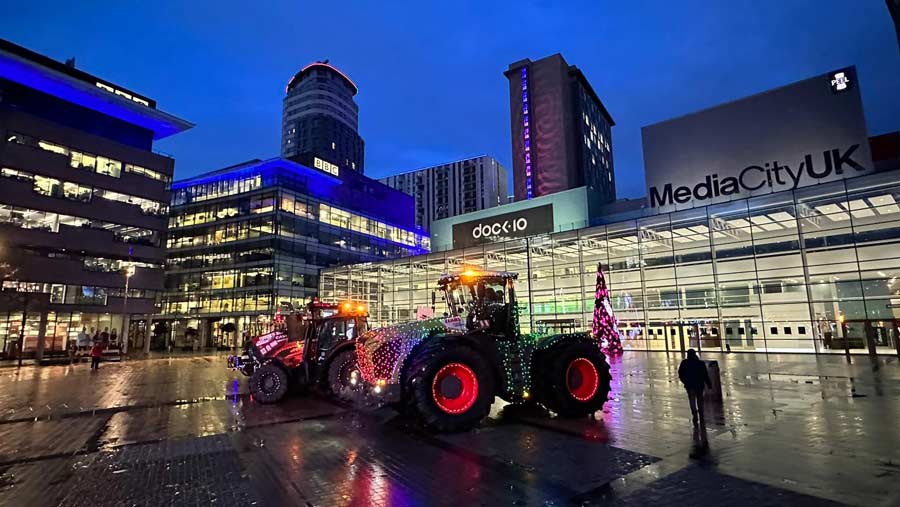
<point>692,373</point>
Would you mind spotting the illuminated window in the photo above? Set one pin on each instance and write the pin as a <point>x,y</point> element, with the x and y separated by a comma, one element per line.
<point>76,192</point>
<point>55,148</point>
<point>46,186</point>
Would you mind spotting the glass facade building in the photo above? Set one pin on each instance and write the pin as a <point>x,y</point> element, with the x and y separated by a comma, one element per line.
<point>813,270</point>
<point>247,238</point>
<point>83,204</point>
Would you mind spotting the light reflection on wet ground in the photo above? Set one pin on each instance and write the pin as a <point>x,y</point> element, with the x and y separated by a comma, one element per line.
<point>797,423</point>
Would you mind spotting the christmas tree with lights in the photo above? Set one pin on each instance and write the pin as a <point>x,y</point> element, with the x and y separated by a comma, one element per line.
<point>605,327</point>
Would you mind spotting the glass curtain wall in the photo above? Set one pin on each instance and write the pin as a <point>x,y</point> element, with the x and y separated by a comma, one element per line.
<point>812,271</point>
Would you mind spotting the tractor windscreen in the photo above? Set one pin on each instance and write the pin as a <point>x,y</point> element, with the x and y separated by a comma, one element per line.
<point>462,296</point>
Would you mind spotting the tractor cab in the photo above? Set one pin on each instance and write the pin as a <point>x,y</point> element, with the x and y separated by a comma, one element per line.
<point>331,324</point>
<point>485,300</point>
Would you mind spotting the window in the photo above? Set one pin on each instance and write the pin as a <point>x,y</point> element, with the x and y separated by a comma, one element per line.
<point>80,160</point>
<point>19,175</point>
<point>55,148</point>
<point>773,330</point>
<point>787,330</point>
<point>801,330</point>
<point>149,173</point>
<point>46,186</point>
<point>109,167</point>
<point>76,192</point>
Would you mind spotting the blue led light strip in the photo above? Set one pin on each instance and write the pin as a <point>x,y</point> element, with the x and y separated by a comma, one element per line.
<point>526,134</point>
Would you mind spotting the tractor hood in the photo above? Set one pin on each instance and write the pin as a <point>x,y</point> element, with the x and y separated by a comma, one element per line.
<point>382,352</point>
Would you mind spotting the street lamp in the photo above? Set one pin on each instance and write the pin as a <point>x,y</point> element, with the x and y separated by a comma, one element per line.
<point>128,272</point>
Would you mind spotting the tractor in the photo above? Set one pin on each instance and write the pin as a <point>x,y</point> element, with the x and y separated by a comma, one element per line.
<point>310,347</point>
<point>447,370</point>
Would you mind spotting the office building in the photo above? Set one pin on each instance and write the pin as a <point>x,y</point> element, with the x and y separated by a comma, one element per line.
<point>244,239</point>
<point>781,241</point>
<point>320,120</point>
<point>894,9</point>
<point>561,131</point>
<point>83,203</point>
<point>454,188</point>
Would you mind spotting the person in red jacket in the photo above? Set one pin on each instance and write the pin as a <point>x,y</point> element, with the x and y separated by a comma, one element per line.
<point>96,354</point>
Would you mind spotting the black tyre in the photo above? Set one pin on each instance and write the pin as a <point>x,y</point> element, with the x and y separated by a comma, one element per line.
<point>450,387</point>
<point>269,383</point>
<point>340,375</point>
<point>573,379</point>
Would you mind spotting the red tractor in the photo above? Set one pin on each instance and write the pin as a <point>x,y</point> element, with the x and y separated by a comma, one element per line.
<point>313,346</point>
<point>448,370</point>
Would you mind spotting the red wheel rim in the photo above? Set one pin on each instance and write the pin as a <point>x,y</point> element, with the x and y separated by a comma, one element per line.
<point>454,388</point>
<point>582,379</point>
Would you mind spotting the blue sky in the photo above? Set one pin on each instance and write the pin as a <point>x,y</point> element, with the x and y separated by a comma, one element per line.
<point>431,74</point>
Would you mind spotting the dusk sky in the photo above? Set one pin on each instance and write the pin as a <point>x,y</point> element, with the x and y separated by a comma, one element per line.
<point>430,75</point>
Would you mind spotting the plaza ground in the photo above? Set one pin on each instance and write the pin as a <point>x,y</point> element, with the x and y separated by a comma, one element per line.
<point>791,430</point>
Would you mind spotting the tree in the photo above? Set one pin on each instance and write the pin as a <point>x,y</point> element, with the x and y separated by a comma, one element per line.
<point>605,326</point>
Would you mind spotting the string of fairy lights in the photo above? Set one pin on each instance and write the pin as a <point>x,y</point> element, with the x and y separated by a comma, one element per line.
<point>383,352</point>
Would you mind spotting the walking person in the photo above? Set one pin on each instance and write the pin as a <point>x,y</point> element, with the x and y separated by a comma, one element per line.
<point>82,343</point>
<point>96,354</point>
<point>692,373</point>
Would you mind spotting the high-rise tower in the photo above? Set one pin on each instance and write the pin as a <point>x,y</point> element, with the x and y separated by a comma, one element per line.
<point>561,132</point>
<point>320,119</point>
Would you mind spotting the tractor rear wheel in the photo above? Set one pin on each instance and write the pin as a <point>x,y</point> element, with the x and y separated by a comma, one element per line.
<point>450,387</point>
<point>269,383</point>
<point>341,371</point>
<point>574,379</point>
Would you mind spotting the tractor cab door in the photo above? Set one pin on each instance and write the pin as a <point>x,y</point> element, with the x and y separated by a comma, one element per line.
<point>331,332</point>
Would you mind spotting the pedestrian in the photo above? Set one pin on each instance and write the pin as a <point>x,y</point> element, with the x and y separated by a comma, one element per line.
<point>83,342</point>
<point>96,354</point>
<point>104,336</point>
<point>114,337</point>
<point>692,373</point>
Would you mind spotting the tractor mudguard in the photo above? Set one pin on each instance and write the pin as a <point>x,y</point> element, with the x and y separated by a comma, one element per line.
<point>552,341</point>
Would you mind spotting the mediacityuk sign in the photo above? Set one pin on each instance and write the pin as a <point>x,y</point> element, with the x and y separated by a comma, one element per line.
<point>806,133</point>
<point>515,224</point>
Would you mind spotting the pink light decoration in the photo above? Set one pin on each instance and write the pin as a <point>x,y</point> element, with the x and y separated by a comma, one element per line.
<point>605,327</point>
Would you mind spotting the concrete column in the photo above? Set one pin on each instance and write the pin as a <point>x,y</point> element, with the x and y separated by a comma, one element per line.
<point>42,330</point>
<point>126,322</point>
<point>148,334</point>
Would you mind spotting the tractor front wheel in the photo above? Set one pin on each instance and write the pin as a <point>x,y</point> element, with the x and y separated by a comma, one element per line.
<point>574,380</point>
<point>269,383</point>
<point>343,375</point>
<point>451,388</point>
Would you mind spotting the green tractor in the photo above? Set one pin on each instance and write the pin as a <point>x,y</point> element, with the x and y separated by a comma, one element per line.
<point>448,370</point>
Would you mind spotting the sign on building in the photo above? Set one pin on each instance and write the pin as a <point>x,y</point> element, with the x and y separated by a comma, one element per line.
<point>802,134</point>
<point>515,224</point>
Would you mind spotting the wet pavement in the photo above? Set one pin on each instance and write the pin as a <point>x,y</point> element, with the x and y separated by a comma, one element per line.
<point>791,430</point>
